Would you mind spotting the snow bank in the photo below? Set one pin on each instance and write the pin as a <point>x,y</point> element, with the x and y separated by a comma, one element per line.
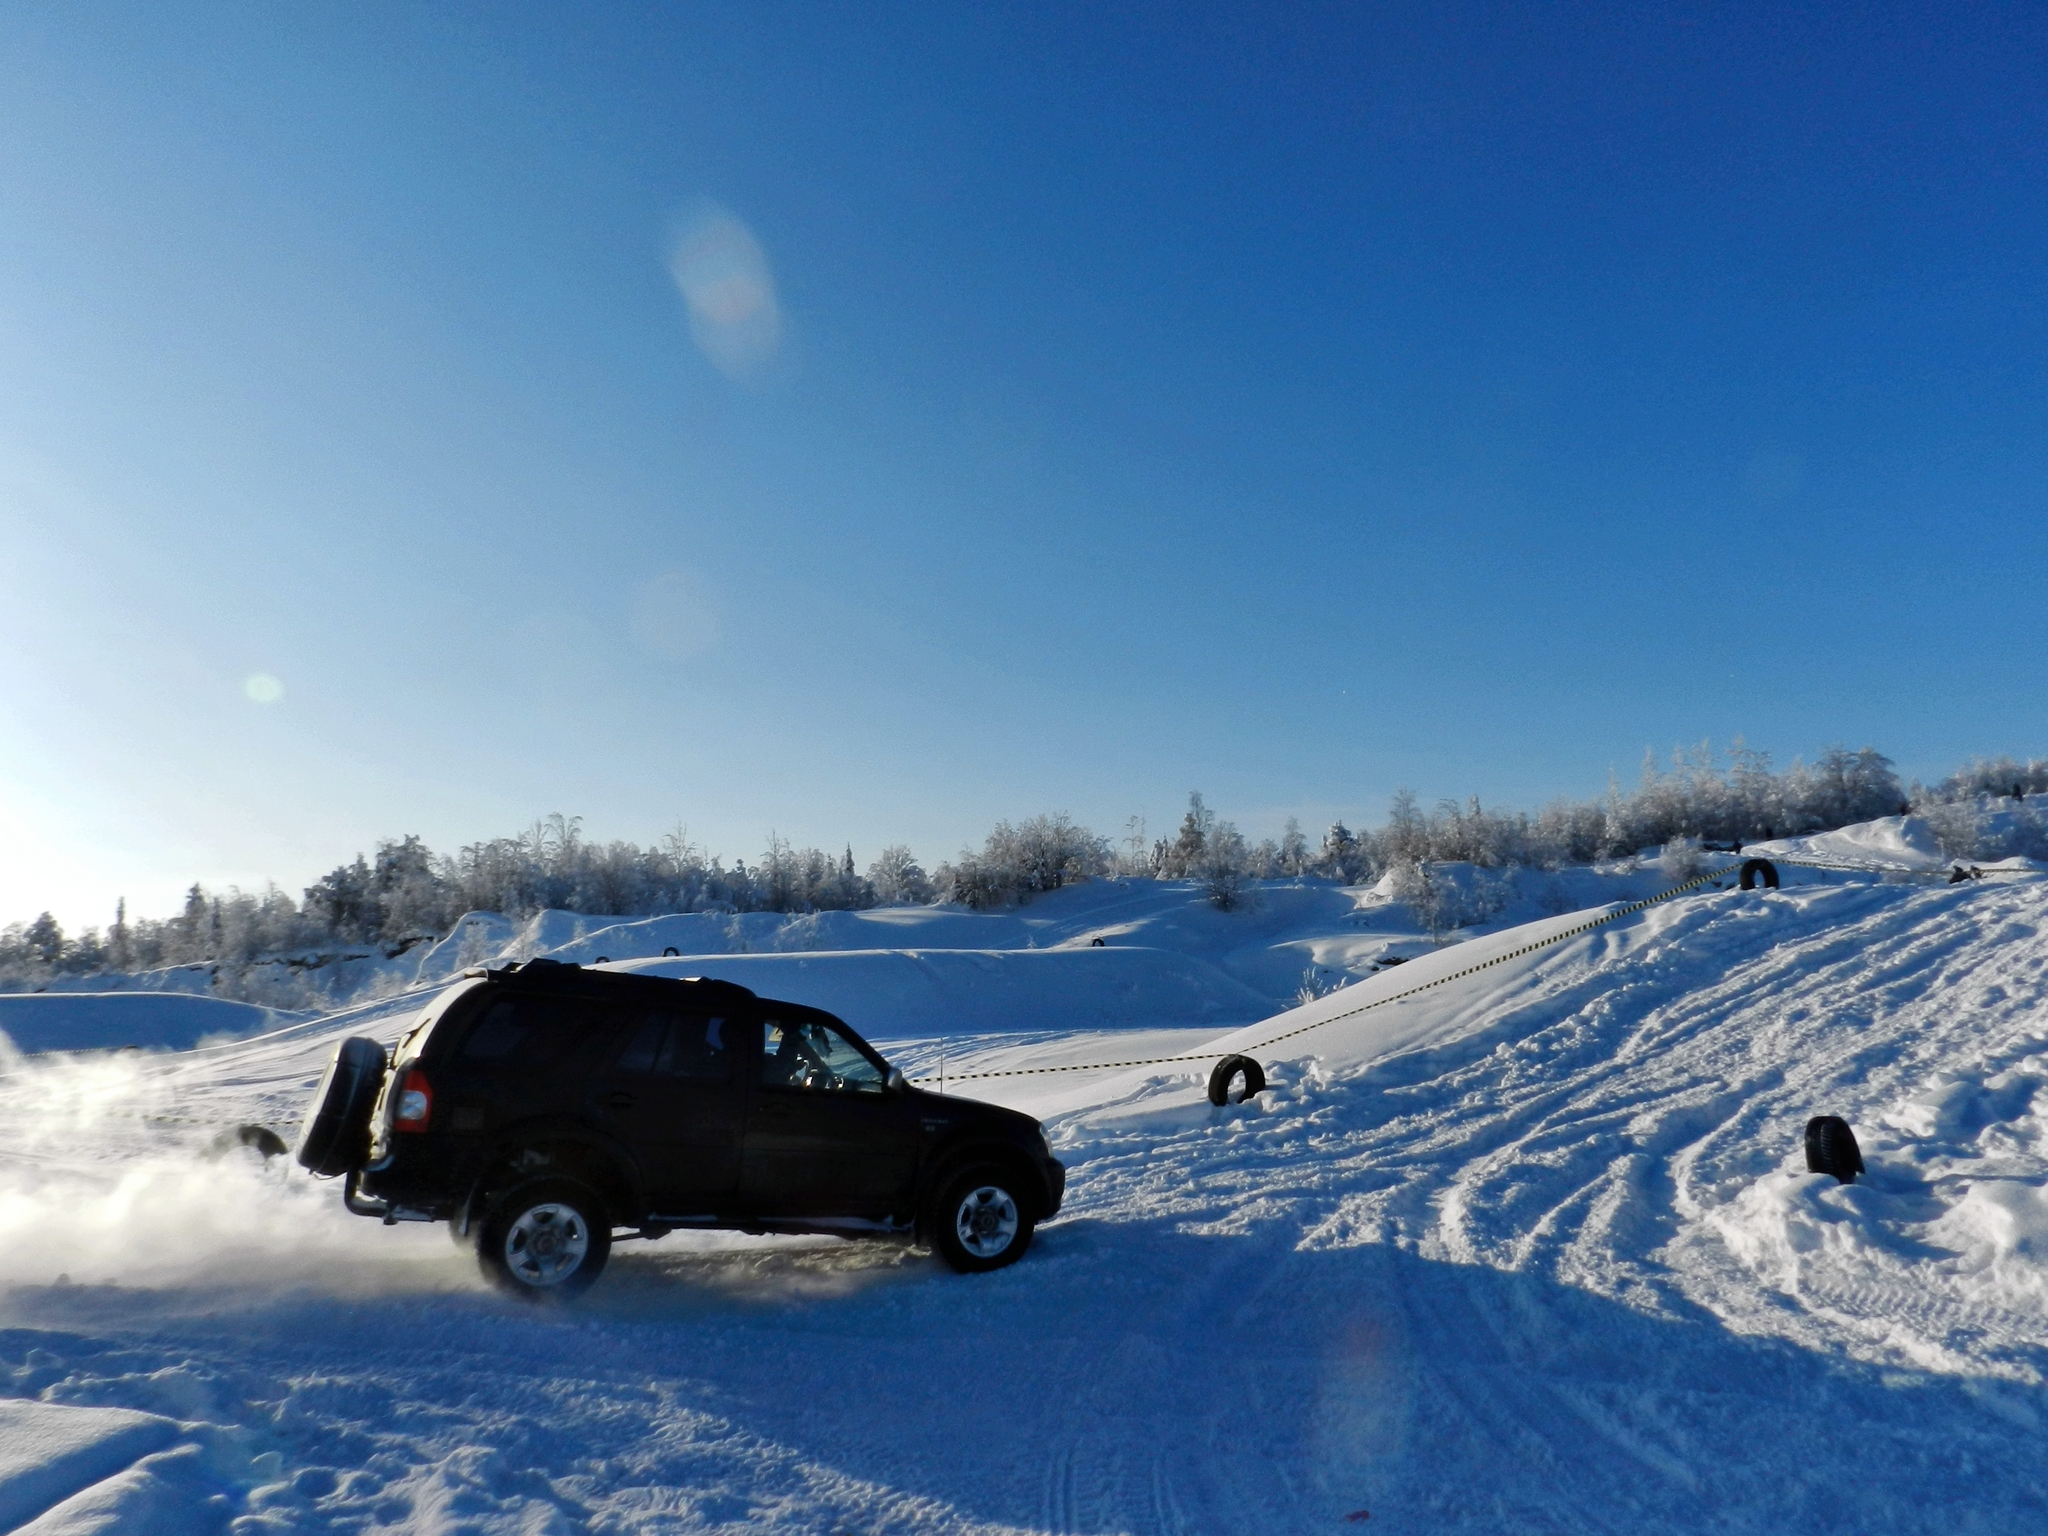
<point>102,1021</point>
<point>899,994</point>
<point>48,1452</point>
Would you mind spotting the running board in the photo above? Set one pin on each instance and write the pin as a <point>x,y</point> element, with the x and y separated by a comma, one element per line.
<point>761,1226</point>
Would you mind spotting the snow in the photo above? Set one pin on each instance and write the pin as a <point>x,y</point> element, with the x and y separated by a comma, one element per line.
<point>97,1021</point>
<point>48,1452</point>
<point>1523,1247</point>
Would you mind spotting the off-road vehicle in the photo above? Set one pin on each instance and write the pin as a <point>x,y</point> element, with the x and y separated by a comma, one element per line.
<point>546,1111</point>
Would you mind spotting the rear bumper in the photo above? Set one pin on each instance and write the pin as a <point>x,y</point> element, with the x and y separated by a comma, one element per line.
<point>390,1212</point>
<point>1055,1185</point>
<point>412,1185</point>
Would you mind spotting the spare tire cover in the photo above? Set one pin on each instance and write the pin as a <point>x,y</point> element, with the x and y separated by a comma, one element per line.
<point>335,1135</point>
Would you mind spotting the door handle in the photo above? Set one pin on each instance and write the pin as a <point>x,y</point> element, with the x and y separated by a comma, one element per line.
<point>619,1100</point>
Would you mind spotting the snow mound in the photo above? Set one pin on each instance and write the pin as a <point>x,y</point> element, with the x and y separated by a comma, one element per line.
<point>897,994</point>
<point>49,1452</point>
<point>102,1021</point>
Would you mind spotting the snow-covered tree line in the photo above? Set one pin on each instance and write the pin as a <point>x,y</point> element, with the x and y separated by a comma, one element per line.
<point>406,892</point>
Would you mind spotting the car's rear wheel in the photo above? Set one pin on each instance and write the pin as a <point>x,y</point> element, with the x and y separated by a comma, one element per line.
<point>981,1220</point>
<point>545,1241</point>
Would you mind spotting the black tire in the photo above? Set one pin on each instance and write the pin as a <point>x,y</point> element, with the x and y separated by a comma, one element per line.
<point>1227,1071</point>
<point>982,1219</point>
<point>335,1135</point>
<point>1831,1148</point>
<point>1754,870</point>
<point>545,1241</point>
<point>260,1137</point>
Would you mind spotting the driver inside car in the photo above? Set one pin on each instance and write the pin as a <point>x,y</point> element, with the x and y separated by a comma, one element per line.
<point>794,1063</point>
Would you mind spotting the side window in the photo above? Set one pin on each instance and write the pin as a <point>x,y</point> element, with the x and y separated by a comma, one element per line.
<point>700,1048</point>
<point>526,1033</point>
<point>805,1054</point>
<point>684,1045</point>
<point>647,1031</point>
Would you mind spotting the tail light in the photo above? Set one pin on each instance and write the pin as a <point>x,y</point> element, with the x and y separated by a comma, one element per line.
<point>415,1102</point>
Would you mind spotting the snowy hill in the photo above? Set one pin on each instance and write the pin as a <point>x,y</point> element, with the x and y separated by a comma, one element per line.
<point>1521,1245</point>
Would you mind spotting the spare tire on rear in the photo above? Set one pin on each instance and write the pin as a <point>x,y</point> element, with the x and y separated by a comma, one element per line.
<point>335,1135</point>
<point>1831,1148</point>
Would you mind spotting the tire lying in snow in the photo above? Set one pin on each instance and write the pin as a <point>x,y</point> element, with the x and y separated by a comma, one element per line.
<point>1227,1071</point>
<point>981,1220</point>
<point>260,1137</point>
<point>1831,1148</point>
<point>335,1135</point>
<point>1754,870</point>
<point>546,1240</point>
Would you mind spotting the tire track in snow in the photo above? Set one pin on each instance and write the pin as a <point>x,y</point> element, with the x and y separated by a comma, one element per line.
<point>1598,1118</point>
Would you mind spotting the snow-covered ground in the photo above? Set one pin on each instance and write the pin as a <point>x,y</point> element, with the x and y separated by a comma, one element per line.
<point>1532,1249</point>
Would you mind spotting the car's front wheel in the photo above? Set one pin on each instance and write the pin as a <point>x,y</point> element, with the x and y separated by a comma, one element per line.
<point>545,1241</point>
<point>981,1220</point>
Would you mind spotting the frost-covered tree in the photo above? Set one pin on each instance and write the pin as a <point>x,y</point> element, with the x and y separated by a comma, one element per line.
<point>898,879</point>
<point>1343,857</point>
<point>1179,859</point>
<point>1018,862</point>
<point>1958,828</point>
<point>1293,855</point>
<point>45,939</point>
<point>1220,866</point>
<point>2006,777</point>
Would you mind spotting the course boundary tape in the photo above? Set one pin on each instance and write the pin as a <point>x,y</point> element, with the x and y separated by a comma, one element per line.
<point>1630,910</point>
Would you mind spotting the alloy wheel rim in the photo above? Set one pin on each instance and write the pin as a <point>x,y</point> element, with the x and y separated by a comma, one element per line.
<point>547,1244</point>
<point>986,1221</point>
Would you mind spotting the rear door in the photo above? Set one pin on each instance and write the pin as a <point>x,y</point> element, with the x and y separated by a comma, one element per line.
<point>824,1136</point>
<point>672,1092</point>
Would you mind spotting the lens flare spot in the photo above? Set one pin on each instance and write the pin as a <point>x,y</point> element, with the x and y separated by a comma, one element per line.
<point>724,277</point>
<point>262,688</point>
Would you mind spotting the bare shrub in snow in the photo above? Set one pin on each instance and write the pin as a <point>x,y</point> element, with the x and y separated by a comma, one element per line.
<point>1682,859</point>
<point>1316,983</point>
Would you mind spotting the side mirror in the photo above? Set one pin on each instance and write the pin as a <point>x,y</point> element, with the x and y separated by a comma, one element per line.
<point>897,1081</point>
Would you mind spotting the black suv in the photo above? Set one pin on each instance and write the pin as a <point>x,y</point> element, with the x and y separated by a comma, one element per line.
<point>539,1107</point>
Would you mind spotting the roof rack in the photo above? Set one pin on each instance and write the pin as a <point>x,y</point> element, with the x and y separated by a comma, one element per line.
<point>543,968</point>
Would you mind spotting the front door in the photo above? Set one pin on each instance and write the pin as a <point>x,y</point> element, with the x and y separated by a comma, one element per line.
<point>672,1092</point>
<point>825,1136</point>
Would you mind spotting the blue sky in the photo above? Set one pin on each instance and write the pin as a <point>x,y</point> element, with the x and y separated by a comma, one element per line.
<point>1069,411</point>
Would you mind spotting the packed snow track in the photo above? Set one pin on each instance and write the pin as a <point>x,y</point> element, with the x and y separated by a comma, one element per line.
<point>1534,1250</point>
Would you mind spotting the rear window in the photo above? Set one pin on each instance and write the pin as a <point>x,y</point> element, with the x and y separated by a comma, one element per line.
<point>412,1045</point>
<point>526,1033</point>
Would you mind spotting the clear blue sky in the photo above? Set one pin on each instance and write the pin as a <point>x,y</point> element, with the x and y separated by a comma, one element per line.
<point>867,422</point>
